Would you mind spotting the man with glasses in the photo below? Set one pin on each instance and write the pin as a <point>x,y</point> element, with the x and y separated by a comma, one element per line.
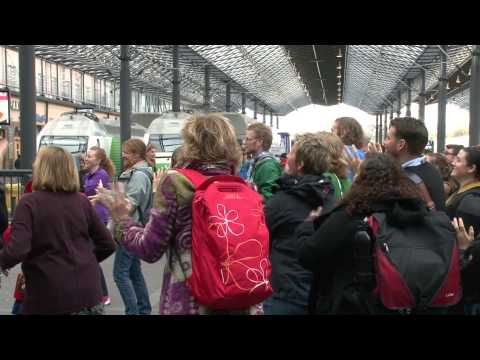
<point>451,151</point>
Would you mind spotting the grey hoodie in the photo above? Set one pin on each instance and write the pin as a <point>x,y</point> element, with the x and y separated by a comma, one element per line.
<point>138,189</point>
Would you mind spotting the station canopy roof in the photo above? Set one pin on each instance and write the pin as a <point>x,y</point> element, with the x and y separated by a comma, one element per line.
<point>370,77</point>
<point>281,78</point>
<point>262,72</point>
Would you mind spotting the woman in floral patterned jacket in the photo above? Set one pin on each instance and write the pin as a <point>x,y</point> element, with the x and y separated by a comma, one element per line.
<point>209,147</point>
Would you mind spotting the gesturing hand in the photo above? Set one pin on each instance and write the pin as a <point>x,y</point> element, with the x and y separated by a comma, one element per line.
<point>375,148</point>
<point>114,200</point>
<point>314,214</point>
<point>464,239</point>
<point>351,159</point>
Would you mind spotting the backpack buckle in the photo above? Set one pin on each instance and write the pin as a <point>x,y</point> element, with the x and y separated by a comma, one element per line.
<point>405,311</point>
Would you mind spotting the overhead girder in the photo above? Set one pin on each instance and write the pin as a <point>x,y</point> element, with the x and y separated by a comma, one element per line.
<point>375,73</point>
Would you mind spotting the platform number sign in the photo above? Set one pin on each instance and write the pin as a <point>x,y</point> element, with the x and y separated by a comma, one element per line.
<point>4,107</point>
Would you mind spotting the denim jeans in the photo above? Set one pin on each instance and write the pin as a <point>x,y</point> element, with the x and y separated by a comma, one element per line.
<point>17,307</point>
<point>278,306</point>
<point>127,273</point>
<point>472,309</point>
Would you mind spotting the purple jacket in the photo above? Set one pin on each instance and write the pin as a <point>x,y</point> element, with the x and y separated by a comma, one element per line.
<point>90,183</point>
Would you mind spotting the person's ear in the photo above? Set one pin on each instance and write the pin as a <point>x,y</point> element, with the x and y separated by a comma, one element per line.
<point>472,170</point>
<point>300,168</point>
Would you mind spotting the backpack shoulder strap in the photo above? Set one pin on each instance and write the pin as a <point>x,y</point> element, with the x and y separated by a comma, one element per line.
<point>262,160</point>
<point>147,173</point>
<point>422,187</point>
<point>194,176</point>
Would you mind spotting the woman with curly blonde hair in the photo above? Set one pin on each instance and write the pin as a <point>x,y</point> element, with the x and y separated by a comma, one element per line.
<point>209,147</point>
<point>338,170</point>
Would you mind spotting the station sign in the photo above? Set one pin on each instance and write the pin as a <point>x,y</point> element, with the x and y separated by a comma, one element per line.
<point>4,107</point>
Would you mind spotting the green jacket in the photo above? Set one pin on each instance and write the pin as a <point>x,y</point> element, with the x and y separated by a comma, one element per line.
<point>265,175</point>
<point>340,184</point>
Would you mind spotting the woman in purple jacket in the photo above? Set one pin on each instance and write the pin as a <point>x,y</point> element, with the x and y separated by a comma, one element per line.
<point>99,168</point>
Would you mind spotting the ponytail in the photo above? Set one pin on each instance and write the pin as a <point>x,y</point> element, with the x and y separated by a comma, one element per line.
<point>105,163</point>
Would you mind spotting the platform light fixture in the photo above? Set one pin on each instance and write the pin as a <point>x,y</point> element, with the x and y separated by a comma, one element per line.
<point>339,66</point>
<point>458,79</point>
<point>339,76</point>
<point>339,55</point>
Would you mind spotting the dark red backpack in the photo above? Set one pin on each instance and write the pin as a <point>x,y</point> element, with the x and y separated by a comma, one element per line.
<point>413,269</point>
<point>230,243</point>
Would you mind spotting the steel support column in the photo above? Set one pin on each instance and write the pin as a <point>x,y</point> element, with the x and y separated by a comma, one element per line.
<point>271,119</point>
<point>278,124</point>
<point>409,98</point>
<point>228,92</point>
<point>125,95</point>
<point>385,124</point>
<point>206,94</point>
<point>442,100</point>
<point>380,129</point>
<point>244,103</point>
<point>176,80</point>
<point>421,97</point>
<point>255,109</point>
<point>376,128</point>
<point>264,114</point>
<point>28,126</point>
<point>474,128</point>
<point>399,107</point>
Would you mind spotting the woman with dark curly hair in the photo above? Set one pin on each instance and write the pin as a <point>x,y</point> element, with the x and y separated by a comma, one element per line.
<point>326,244</point>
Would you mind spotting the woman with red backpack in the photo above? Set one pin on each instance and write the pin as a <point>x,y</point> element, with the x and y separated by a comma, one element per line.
<point>210,150</point>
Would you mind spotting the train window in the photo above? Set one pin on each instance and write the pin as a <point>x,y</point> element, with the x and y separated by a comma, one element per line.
<point>73,144</point>
<point>166,142</point>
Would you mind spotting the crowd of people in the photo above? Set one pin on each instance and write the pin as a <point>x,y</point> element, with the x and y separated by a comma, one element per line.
<point>351,227</point>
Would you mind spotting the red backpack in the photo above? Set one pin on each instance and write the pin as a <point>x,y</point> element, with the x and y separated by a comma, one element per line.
<point>415,268</point>
<point>230,243</point>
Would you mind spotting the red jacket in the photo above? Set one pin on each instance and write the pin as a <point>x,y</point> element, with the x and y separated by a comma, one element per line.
<point>19,293</point>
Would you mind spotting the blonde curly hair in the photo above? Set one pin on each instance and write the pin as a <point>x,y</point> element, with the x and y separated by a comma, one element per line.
<point>210,138</point>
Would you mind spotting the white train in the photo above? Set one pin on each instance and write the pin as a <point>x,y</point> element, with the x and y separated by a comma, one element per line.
<point>79,131</point>
<point>165,132</point>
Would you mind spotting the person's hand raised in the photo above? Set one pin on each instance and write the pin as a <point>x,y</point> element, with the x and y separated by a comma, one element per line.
<point>351,159</point>
<point>375,148</point>
<point>464,239</point>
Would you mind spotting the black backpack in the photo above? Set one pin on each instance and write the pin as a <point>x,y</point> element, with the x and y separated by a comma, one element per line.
<point>409,270</point>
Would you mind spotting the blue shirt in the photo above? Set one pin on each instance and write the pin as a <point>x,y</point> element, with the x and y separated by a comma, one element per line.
<point>361,155</point>
<point>244,170</point>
